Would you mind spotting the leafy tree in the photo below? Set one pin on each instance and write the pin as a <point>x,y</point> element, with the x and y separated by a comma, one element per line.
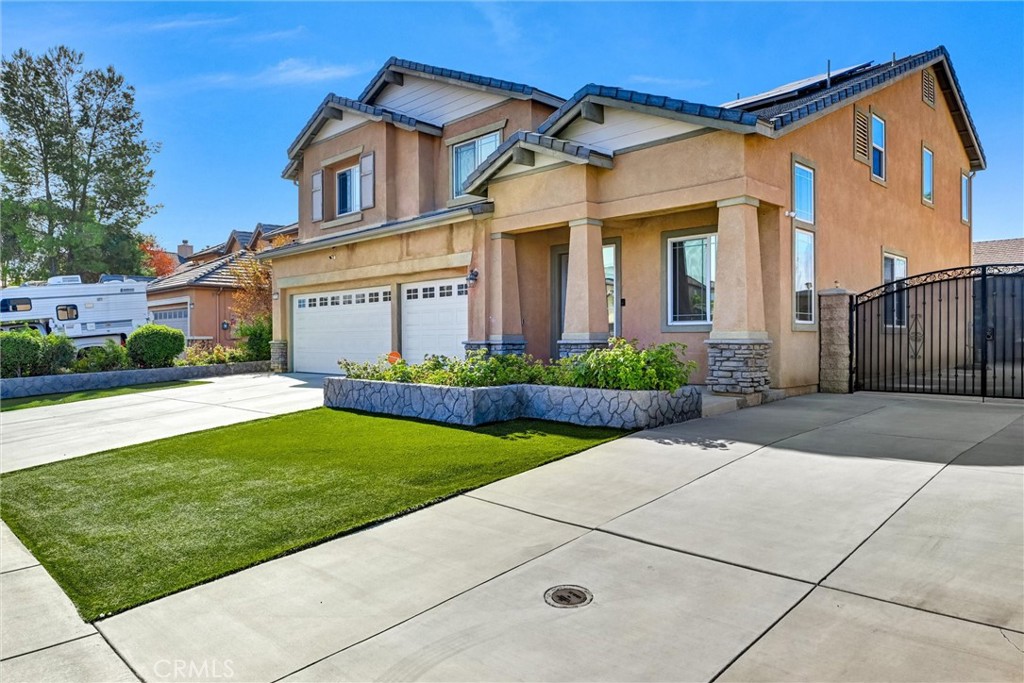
<point>156,261</point>
<point>253,299</point>
<point>75,168</point>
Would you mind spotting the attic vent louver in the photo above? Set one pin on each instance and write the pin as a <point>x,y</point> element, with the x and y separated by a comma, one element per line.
<point>861,136</point>
<point>928,87</point>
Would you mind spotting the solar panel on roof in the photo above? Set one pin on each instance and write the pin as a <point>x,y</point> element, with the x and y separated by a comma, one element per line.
<point>789,89</point>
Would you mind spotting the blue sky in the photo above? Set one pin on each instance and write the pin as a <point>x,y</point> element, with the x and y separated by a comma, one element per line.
<point>225,87</point>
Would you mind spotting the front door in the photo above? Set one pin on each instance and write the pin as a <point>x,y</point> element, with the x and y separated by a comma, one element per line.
<point>610,252</point>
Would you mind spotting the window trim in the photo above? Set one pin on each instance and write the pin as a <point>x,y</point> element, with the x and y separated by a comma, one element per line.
<point>14,301</point>
<point>667,238</point>
<point>896,256</point>
<point>797,160</point>
<point>354,184</point>
<point>456,192</point>
<point>926,150</point>
<point>966,197</point>
<point>884,178</point>
<point>812,324</point>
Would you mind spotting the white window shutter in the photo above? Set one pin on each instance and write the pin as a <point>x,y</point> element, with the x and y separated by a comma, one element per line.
<point>366,181</point>
<point>317,194</point>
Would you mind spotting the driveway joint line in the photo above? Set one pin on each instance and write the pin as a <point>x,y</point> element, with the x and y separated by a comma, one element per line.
<point>223,405</point>
<point>532,514</point>
<point>31,566</point>
<point>52,645</point>
<point>432,607</point>
<point>118,653</point>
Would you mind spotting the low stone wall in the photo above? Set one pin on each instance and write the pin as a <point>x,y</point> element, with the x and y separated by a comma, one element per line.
<point>475,406</point>
<point>18,387</point>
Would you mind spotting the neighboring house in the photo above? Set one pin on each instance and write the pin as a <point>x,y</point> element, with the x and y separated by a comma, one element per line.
<point>266,234</point>
<point>442,210</point>
<point>198,296</point>
<point>992,252</point>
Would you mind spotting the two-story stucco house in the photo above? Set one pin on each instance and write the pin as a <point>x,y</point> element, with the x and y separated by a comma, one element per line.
<point>441,210</point>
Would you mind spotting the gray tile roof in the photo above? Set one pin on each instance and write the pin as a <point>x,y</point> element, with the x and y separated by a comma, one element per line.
<point>216,273</point>
<point>782,111</point>
<point>991,252</point>
<point>215,249</point>
<point>377,82</point>
<point>569,147</point>
<point>633,97</point>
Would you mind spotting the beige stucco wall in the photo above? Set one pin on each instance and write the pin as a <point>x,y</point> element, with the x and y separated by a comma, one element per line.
<point>210,307</point>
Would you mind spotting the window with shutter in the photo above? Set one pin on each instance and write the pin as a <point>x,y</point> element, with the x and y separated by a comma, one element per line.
<point>861,136</point>
<point>317,194</point>
<point>928,87</point>
<point>366,180</point>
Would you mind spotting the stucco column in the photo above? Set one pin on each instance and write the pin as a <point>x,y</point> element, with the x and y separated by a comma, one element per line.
<point>586,303</point>
<point>504,313</point>
<point>738,345</point>
<point>279,314</point>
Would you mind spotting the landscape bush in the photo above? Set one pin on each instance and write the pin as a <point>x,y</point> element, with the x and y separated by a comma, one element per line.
<point>19,352</point>
<point>155,346</point>
<point>110,356</point>
<point>623,365</point>
<point>57,353</point>
<point>258,333</point>
<point>204,353</point>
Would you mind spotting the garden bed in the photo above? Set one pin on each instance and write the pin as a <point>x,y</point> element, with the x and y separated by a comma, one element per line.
<point>471,406</point>
<point>17,387</point>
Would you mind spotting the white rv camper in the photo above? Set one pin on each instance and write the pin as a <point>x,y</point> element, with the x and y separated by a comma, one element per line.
<point>89,314</point>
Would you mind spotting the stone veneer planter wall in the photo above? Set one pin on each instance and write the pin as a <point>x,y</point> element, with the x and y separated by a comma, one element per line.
<point>475,406</point>
<point>18,387</point>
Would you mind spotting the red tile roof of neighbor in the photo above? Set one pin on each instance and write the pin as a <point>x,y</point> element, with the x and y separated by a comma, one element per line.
<point>998,251</point>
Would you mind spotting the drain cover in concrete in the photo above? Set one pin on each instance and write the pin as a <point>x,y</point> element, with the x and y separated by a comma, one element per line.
<point>568,596</point>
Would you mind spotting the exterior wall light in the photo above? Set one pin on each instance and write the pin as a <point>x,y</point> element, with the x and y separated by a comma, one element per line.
<point>472,277</point>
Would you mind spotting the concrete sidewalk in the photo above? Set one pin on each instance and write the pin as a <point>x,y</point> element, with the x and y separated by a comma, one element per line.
<point>864,537</point>
<point>36,436</point>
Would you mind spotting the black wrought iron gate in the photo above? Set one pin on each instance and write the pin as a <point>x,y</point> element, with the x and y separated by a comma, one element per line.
<point>958,331</point>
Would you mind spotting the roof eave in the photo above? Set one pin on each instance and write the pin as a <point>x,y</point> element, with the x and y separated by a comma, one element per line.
<point>571,114</point>
<point>480,183</point>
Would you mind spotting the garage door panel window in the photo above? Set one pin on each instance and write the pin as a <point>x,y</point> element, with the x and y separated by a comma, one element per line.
<point>360,298</point>
<point>335,300</point>
<point>435,320</point>
<point>386,295</point>
<point>463,289</point>
<point>411,294</point>
<point>346,299</point>
<point>428,292</point>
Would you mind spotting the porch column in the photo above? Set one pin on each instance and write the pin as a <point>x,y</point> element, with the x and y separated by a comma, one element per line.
<point>279,323</point>
<point>504,317</point>
<point>586,303</point>
<point>738,345</point>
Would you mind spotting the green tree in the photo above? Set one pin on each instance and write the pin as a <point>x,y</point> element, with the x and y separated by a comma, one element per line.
<point>75,167</point>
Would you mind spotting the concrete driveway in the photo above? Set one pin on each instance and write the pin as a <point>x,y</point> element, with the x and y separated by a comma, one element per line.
<point>40,435</point>
<point>863,537</point>
<point>845,538</point>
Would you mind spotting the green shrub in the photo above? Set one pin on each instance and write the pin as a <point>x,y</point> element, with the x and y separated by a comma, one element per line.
<point>155,346</point>
<point>623,365</point>
<point>204,354</point>
<point>56,353</point>
<point>19,352</point>
<point>257,335</point>
<point>110,356</point>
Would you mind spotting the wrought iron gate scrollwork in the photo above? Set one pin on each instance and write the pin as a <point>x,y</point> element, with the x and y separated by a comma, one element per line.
<point>958,331</point>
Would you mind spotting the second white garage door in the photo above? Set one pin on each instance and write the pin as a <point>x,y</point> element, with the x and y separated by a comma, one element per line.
<point>353,324</point>
<point>435,319</point>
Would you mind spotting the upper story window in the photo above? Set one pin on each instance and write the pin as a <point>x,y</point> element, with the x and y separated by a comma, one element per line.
<point>878,146</point>
<point>803,192</point>
<point>927,176</point>
<point>468,155</point>
<point>965,198</point>
<point>691,279</point>
<point>348,190</point>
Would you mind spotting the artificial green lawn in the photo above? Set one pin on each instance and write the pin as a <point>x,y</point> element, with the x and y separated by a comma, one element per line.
<point>73,396</point>
<point>123,527</point>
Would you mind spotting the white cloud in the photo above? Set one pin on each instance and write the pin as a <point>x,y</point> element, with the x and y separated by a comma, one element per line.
<point>184,22</point>
<point>503,23</point>
<point>670,82</point>
<point>288,72</point>
<point>270,36</point>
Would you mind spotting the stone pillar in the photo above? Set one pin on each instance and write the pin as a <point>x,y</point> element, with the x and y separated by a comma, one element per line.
<point>586,303</point>
<point>505,316</point>
<point>279,355</point>
<point>835,362</point>
<point>738,345</point>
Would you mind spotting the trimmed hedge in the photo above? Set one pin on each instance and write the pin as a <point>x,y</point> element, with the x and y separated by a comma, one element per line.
<point>19,353</point>
<point>155,346</point>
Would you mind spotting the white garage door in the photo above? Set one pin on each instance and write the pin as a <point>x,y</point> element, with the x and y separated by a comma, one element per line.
<point>173,317</point>
<point>435,319</point>
<point>353,324</point>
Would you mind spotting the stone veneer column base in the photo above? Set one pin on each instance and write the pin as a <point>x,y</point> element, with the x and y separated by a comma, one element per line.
<point>738,366</point>
<point>501,347</point>
<point>574,347</point>
<point>279,355</point>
